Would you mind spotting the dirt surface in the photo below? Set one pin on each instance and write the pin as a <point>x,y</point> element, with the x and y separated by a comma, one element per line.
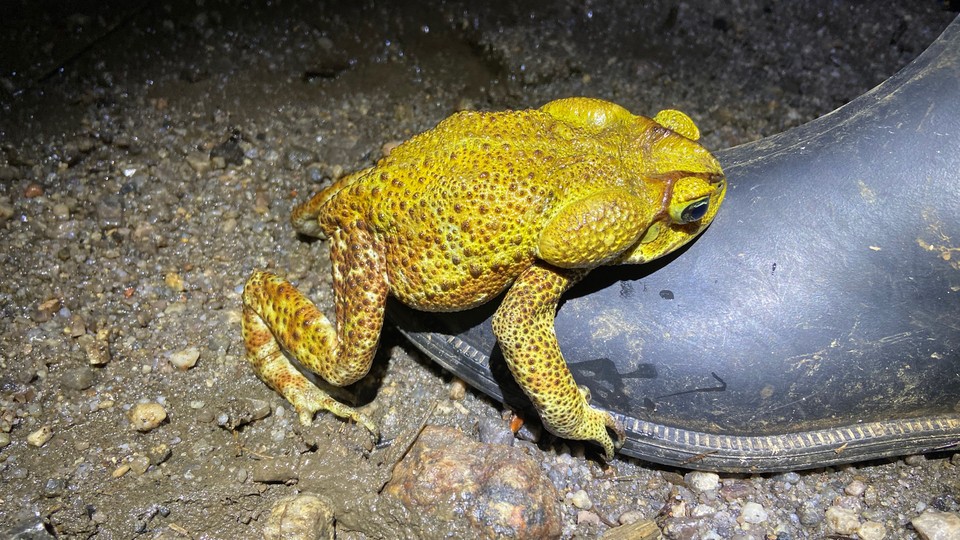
<point>150,153</point>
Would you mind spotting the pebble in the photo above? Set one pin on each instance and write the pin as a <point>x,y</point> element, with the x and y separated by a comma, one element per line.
<point>121,470</point>
<point>934,525</point>
<point>109,211</point>
<point>915,460</point>
<point>855,488</point>
<point>481,488</point>
<point>174,282</point>
<point>33,190</point>
<point>458,389</point>
<point>78,326</point>
<point>588,517</point>
<point>581,500</point>
<point>630,516</point>
<point>733,490</point>
<point>702,481</point>
<point>185,359</point>
<point>199,162</point>
<point>97,349</point>
<point>4,439</point>
<point>842,520</point>
<point>791,477</point>
<point>139,464</point>
<point>872,530</point>
<point>147,416</point>
<point>8,173</point>
<point>752,513</point>
<point>299,516</point>
<point>40,437</point>
<point>6,210</point>
<point>78,378</point>
<point>703,510</point>
<point>495,431</point>
<point>159,453</point>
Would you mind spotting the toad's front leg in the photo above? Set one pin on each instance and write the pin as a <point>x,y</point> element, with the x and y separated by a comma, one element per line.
<point>277,318</point>
<point>524,328</point>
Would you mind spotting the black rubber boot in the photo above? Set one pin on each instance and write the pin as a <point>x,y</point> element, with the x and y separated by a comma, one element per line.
<point>816,321</point>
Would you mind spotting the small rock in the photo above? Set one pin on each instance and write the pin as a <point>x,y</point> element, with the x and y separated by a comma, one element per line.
<point>483,487</point>
<point>8,172</point>
<point>388,147</point>
<point>495,431</point>
<point>933,525</point>
<point>703,510</point>
<point>630,516</point>
<point>61,211</point>
<point>78,326</point>
<point>581,500</point>
<point>587,517</point>
<point>791,477</point>
<point>139,464</point>
<point>78,379</point>
<point>4,440</point>
<point>110,211</point>
<point>53,487</point>
<point>734,490</point>
<point>299,516</point>
<point>915,460</point>
<point>174,282</point>
<point>242,411</point>
<point>199,162</point>
<point>702,481</point>
<point>872,530</point>
<point>159,453</point>
<point>458,389</point>
<point>842,520</point>
<point>809,515</point>
<point>97,348</point>
<point>298,157</point>
<point>40,437</point>
<point>229,150</point>
<point>185,359</point>
<point>752,513</point>
<point>147,416</point>
<point>33,190</point>
<point>855,488</point>
<point>6,210</point>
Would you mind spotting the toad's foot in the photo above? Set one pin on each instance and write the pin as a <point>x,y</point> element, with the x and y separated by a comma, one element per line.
<point>596,426</point>
<point>524,328</point>
<point>277,317</point>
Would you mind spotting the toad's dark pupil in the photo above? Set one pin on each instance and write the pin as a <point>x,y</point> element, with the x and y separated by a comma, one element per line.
<point>695,211</point>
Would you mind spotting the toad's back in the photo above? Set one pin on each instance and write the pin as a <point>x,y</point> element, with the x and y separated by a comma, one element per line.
<point>457,210</point>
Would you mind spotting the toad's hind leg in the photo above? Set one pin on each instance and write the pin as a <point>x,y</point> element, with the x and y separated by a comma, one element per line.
<point>277,317</point>
<point>524,328</point>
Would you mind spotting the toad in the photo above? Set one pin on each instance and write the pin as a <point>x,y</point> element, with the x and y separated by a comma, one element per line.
<point>526,202</point>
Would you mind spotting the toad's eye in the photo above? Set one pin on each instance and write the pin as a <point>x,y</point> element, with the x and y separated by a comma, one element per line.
<point>693,211</point>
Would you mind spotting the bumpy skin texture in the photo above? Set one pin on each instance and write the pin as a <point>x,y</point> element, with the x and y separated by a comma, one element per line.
<point>527,200</point>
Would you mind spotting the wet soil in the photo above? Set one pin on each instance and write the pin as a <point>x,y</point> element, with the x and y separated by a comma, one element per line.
<point>150,153</point>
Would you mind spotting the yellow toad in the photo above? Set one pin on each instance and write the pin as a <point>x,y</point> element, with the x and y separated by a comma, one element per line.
<point>528,201</point>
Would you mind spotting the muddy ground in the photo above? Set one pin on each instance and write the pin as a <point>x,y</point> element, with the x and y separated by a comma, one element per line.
<point>150,153</point>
